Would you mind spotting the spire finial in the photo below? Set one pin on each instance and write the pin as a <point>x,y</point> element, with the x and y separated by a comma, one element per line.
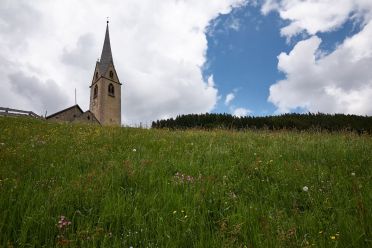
<point>108,19</point>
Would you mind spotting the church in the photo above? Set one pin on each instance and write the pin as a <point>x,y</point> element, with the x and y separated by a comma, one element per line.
<point>105,94</point>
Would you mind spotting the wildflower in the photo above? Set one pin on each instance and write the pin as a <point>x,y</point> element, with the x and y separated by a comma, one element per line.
<point>353,174</point>
<point>134,149</point>
<point>63,223</point>
<point>183,178</point>
<point>305,189</point>
<point>333,237</point>
<point>174,212</point>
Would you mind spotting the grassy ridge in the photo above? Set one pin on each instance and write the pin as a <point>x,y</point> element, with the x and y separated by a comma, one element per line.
<point>123,187</point>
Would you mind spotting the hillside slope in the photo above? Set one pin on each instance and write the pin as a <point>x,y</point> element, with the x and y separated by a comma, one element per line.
<point>123,187</point>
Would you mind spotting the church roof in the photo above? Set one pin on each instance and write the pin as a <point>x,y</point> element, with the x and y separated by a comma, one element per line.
<point>106,56</point>
<point>64,110</point>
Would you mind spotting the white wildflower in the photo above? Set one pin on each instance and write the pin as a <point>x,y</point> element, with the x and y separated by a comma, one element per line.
<point>305,188</point>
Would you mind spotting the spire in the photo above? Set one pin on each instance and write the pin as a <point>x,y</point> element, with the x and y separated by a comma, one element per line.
<point>106,56</point>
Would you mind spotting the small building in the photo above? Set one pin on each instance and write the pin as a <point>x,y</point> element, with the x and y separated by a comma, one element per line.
<point>74,114</point>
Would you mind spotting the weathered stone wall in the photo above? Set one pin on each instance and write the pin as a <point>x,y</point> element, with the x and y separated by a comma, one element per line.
<point>86,117</point>
<point>67,116</point>
<point>105,107</point>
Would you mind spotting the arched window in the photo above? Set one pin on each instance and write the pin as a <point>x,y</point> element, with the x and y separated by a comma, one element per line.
<point>111,90</point>
<point>111,74</point>
<point>95,93</point>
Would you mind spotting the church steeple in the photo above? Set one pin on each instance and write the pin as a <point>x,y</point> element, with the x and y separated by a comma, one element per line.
<point>106,56</point>
<point>105,92</point>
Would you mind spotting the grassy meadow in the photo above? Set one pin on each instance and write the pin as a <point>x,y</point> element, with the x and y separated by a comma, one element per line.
<point>89,186</point>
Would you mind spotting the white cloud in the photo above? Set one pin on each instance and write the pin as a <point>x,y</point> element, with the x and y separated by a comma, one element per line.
<point>340,82</point>
<point>337,82</point>
<point>269,5</point>
<point>240,112</point>
<point>158,48</point>
<point>82,55</point>
<point>229,98</point>
<point>315,16</point>
<point>37,92</point>
<point>234,110</point>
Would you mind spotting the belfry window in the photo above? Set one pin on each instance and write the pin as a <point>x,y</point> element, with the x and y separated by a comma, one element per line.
<point>95,92</point>
<point>111,90</point>
<point>111,74</point>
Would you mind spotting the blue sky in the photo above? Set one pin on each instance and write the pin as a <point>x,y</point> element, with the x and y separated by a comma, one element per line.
<point>242,56</point>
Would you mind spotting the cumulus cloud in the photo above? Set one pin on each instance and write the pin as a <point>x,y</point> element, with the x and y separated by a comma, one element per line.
<point>234,110</point>
<point>82,55</point>
<point>269,5</point>
<point>313,16</point>
<point>42,95</point>
<point>229,98</point>
<point>159,49</point>
<point>338,81</point>
<point>240,112</point>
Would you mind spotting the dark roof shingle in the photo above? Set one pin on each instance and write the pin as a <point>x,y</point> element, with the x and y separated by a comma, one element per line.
<point>106,56</point>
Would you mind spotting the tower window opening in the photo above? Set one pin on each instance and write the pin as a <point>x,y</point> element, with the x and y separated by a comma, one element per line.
<point>111,74</point>
<point>111,90</point>
<point>96,75</point>
<point>95,92</point>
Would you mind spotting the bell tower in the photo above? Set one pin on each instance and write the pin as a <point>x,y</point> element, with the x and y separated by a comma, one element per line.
<point>105,89</point>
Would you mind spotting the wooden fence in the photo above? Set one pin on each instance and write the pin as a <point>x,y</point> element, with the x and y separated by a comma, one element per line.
<point>17,113</point>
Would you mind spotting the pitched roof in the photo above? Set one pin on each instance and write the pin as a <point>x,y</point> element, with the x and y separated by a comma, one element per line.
<point>106,56</point>
<point>64,110</point>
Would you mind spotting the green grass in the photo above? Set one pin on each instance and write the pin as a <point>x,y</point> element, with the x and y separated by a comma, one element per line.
<point>240,189</point>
